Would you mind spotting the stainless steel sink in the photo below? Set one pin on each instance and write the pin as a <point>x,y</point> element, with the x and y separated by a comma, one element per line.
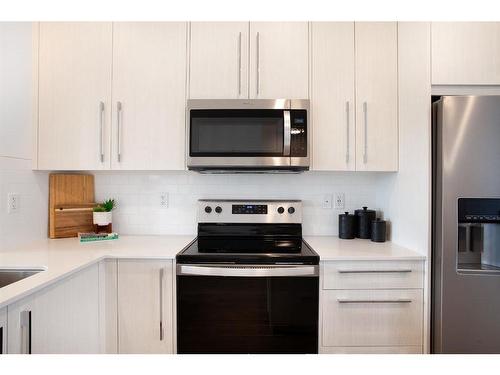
<point>9,276</point>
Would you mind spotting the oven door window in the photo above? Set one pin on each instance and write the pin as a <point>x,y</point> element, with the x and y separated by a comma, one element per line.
<point>236,132</point>
<point>247,314</point>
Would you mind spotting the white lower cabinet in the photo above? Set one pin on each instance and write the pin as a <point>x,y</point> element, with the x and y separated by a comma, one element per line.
<point>377,319</point>
<point>60,319</point>
<point>145,306</point>
<point>3,331</point>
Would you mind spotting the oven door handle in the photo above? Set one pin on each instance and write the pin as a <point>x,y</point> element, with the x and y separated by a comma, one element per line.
<point>247,271</point>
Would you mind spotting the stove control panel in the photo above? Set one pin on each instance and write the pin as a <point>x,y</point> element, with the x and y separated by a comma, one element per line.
<point>252,211</point>
<point>249,209</point>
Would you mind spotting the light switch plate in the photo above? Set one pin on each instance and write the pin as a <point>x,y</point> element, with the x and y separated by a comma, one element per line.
<point>327,201</point>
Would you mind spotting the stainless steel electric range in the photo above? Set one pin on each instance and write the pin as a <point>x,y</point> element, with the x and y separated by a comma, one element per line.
<point>248,283</point>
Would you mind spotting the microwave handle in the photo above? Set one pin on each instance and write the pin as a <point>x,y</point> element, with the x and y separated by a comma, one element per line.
<point>286,133</point>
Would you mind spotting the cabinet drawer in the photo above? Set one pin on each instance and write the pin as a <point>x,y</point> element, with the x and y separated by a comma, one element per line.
<point>372,275</point>
<point>372,318</point>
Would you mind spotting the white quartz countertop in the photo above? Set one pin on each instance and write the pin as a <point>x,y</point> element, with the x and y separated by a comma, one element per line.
<point>62,257</point>
<point>334,248</point>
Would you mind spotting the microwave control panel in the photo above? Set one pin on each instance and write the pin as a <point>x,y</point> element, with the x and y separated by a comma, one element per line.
<point>298,138</point>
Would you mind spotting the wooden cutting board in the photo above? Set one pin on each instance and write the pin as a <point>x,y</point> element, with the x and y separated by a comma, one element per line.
<point>71,200</point>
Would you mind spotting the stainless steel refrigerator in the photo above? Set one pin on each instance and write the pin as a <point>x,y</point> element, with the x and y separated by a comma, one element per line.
<point>466,225</point>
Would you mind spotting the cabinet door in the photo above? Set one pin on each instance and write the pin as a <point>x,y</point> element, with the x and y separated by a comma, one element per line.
<point>61,319</point>
<point>218,60</point>
<point>74,97</point>
<point>332,95</point>
<point>149,95</point>
<point>376,96</point>
<point>465,53</point>
<point>145,292</point>
<point>279,60</point>
<point>3,331</point>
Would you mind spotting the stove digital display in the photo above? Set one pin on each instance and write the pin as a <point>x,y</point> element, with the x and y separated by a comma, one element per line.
<point>249,209</point>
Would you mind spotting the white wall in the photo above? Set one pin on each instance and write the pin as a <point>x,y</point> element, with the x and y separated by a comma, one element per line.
<point>30,222</point>
<point>138,194</point>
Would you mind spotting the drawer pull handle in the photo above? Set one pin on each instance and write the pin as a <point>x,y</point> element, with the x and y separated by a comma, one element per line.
<point>374,300</point>
<point>375,271</point>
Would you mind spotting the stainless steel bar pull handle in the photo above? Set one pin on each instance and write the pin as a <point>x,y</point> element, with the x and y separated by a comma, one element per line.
<point>101,131</point>
<point>247,271</point>
<point>25,323</point>
<point>161,303</point>
<point>376,271</point>
<point>258,63</point>
<point>347,132</point>
<point>340,300</point>
<point>1,340</point>
<point>119,130</point>
<point>239,64</point>
<point>365,148</point>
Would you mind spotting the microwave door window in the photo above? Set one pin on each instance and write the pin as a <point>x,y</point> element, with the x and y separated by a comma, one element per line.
<point>237,135</point>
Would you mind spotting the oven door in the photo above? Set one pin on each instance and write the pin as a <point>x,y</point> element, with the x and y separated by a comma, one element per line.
<point>247,309</point>
<point>238,137</point>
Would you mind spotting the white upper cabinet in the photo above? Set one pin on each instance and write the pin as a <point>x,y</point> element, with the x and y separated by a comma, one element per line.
<point>257,60</point>
<point>149,80</point>
<point>74,95</point>
<point>465,53</point>
<point>376,96</point>
<point>279,60</point>
<point>219,60</point>
<point>332,95</point>
<point>354,96</point>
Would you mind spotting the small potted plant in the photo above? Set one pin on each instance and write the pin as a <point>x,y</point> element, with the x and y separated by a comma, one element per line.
<point>103,212</point>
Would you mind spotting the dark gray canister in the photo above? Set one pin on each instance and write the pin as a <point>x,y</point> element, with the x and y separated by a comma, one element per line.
<point>347,226</point>
<point>379,230</point>
<point>364,220</point>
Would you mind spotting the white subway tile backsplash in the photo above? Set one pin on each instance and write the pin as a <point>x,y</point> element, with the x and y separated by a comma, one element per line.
<point>137,195</point>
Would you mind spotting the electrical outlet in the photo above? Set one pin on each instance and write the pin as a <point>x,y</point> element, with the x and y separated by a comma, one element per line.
<point>13,203</point>
<point>339,202</point>
<point>163,200</point>
<point>327,201</point>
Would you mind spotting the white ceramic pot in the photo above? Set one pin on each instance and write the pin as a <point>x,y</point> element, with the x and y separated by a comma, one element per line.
<point>102,218</point>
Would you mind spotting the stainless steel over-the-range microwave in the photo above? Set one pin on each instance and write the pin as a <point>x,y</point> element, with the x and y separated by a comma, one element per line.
<point>247,135</point>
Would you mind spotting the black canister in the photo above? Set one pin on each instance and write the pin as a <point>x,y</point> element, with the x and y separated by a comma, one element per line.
<point>347,226</point>
<point>364,219</point>
<point>379,230</point>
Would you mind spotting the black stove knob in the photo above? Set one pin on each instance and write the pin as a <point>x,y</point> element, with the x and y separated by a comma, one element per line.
<point>281,210</point>
<point>208,209</point>
<point>218,209</point>
<point>291,210</point>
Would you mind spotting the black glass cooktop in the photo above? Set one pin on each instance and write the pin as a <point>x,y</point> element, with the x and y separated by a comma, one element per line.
<point>248,244</point>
